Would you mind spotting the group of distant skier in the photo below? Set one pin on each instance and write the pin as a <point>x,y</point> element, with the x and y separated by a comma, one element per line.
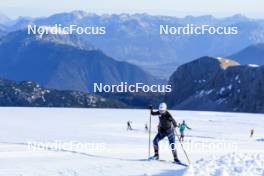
<point>167,128</point>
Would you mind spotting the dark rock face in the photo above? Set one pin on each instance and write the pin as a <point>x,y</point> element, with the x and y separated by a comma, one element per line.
<point>30,94</point>
<point>217,85</point>
<point>193,76</point>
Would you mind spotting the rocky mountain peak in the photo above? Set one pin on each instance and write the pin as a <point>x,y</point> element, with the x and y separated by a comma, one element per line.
<point>225,63</point>
<point>217,84</point>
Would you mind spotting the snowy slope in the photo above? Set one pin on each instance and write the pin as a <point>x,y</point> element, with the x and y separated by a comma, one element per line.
<point>96,142</point>
<point>232,164</point>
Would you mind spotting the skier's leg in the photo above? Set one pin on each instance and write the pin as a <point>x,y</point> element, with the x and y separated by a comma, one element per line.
<point>182,137</point>
<point>171,137</point>
<point>156,140</point>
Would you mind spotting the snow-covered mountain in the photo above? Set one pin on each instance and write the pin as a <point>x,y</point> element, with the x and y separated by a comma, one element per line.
<point>4,19</point>
<point>217,84</point>
<point>58,61</point>
<point>136,38</point>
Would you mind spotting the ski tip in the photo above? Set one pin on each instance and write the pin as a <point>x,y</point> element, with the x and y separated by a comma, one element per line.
<point>152,158</point>
<point>182,164</point>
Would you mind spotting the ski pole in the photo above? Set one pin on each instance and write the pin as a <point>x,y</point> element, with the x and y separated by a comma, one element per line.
<point>149,135</point>
<point>182,147</point>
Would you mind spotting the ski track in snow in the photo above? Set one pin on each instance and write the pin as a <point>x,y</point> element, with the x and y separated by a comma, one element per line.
<point>126,150</point>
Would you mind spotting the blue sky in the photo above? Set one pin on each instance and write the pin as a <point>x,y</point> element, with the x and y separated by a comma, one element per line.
<point>34,8</point>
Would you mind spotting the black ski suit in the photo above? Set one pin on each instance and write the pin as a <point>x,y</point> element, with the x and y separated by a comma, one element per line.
<point>165,129</point>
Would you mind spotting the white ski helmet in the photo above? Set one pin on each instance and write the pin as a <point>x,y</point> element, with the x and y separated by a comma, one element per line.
<point>162,107</point>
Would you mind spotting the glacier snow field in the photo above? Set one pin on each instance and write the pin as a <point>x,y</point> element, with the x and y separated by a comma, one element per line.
<point>84,142</point>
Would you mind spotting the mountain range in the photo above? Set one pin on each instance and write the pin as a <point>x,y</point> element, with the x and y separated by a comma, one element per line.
<point>131,51</point>
<point>62,62</point>
<point>135,38</point>
<point>207,84</point>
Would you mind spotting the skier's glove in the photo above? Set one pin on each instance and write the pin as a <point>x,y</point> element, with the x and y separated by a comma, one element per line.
<point>150,107</point>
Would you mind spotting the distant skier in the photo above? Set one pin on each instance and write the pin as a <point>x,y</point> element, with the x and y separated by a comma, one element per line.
<point>182,128</point>
<point>166,128</point>
<point>251,133</point>
<point>129,125</point>
<point>146,127</point>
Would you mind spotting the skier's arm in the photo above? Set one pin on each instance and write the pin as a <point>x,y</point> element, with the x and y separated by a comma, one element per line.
<point>174,123</point>
<point>153,112</point>
<point>188,127</point>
